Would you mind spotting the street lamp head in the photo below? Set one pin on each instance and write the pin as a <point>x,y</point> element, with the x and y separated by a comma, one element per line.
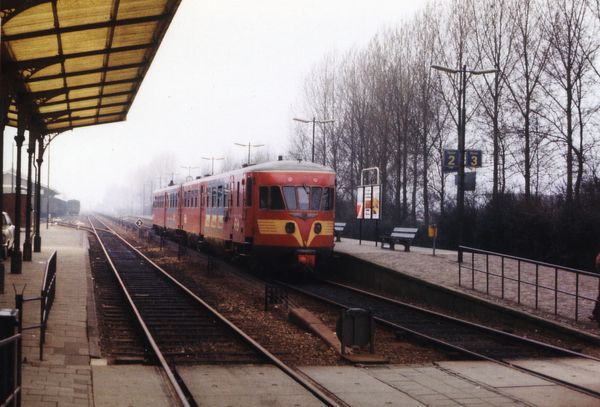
<point>445,69</point>
<point>485,71</point>
<point>301,120</point>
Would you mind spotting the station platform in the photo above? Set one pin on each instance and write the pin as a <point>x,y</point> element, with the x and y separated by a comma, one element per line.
<point>72,372</point>
<point>441,270</point>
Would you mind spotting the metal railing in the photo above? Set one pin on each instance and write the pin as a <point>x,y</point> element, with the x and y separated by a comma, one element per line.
<point>10,358</point>
<point>542,285</point>
<point>46,300</point>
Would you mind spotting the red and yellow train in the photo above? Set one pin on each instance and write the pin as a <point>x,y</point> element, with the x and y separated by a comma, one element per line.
<point>278,212</point>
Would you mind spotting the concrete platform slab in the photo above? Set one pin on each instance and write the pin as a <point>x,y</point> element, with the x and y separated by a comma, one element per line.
<point>553,396</point>
<point>580,372</point>
<point>244,386</point>
<point>129,386</point>
<point>357,388</point>
<point>492,374</point>
<point>524,387</point>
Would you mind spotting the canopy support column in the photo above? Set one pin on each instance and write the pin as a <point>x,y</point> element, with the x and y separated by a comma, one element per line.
<point>37,240</point>
<point>27,246</point>
<point>24,115</point>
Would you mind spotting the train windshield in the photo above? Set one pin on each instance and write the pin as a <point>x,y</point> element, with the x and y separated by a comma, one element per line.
<point>303,198</point>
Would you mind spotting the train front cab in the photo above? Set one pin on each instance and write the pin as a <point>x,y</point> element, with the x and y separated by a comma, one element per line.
<point>294,216</point>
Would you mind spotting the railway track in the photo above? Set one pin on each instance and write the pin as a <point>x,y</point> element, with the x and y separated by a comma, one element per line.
<point>467,340</point>
<point>471,340</point>
<point>178,326</point>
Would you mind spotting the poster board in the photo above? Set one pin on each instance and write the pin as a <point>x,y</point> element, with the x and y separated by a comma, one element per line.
<point>368,202</point>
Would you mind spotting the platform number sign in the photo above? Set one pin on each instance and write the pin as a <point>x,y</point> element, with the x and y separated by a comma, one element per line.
<point>451,160</point>
<point>473,158</point>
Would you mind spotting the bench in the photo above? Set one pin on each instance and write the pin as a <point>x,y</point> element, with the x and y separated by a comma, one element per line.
<point>403,236</point>
<point>338,228</point>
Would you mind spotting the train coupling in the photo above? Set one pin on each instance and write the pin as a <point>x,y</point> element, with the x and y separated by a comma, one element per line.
<point>306,258</point>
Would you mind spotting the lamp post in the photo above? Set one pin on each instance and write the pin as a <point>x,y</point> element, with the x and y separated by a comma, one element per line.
<point>172,174</point>
<point>462,122</point>
<point>249,145</point>
<point>212,172</point>
<point>189,177</point>
<point>314,121</point>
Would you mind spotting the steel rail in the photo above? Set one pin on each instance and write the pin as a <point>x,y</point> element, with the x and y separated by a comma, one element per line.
<point>468,324</point>
<point>255,345</point>
<point>153,344</point>
<point>493,331</point>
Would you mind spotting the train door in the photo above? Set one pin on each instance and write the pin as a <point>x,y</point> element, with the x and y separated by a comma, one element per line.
<point>222,186</point>
<point>201,209</point>
<point>208,211</point>
<point>165,205</point>
<point>247,212</point>
<point>179,206</point>
<point>230,208</point>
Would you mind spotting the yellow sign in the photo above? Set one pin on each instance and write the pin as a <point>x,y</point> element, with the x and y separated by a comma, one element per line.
<point>433,230</point>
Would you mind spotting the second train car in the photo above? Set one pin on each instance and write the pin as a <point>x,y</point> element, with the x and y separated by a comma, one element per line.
<point>281,212</point>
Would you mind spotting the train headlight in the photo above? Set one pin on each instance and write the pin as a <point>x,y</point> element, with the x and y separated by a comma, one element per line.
<point>318,228</point>
<point>290,227</point>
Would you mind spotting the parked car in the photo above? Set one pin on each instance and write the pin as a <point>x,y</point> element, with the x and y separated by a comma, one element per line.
<point>8,235</point>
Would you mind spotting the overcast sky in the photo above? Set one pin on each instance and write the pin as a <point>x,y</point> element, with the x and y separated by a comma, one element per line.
<point>227,71</point>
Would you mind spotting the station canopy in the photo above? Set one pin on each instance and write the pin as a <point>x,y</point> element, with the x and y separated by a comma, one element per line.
<point>78,62</point>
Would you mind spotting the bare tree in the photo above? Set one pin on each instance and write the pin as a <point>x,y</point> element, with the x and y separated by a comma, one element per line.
<point>573,46</point>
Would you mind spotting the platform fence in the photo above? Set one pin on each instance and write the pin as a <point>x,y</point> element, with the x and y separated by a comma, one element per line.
<point>10,358</point>
<point>46,299</point>
<point>547,287</point>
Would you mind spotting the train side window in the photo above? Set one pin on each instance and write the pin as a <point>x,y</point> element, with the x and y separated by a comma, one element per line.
<point>290,198</point>
<point>277,202</point>
<point>315,201</point>
<point>303,197</point>
<point>327,204</point>
<point>263,197</point>
<point>249,192</point>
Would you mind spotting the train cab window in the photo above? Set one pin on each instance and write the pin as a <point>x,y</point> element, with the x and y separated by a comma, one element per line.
<point>238,194</point>
<point>263,197</point>
<point>327,203</point>
<point>277,203</point>
<point>315,201</point>
<point>303,197</point>
<point>290,197</point>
